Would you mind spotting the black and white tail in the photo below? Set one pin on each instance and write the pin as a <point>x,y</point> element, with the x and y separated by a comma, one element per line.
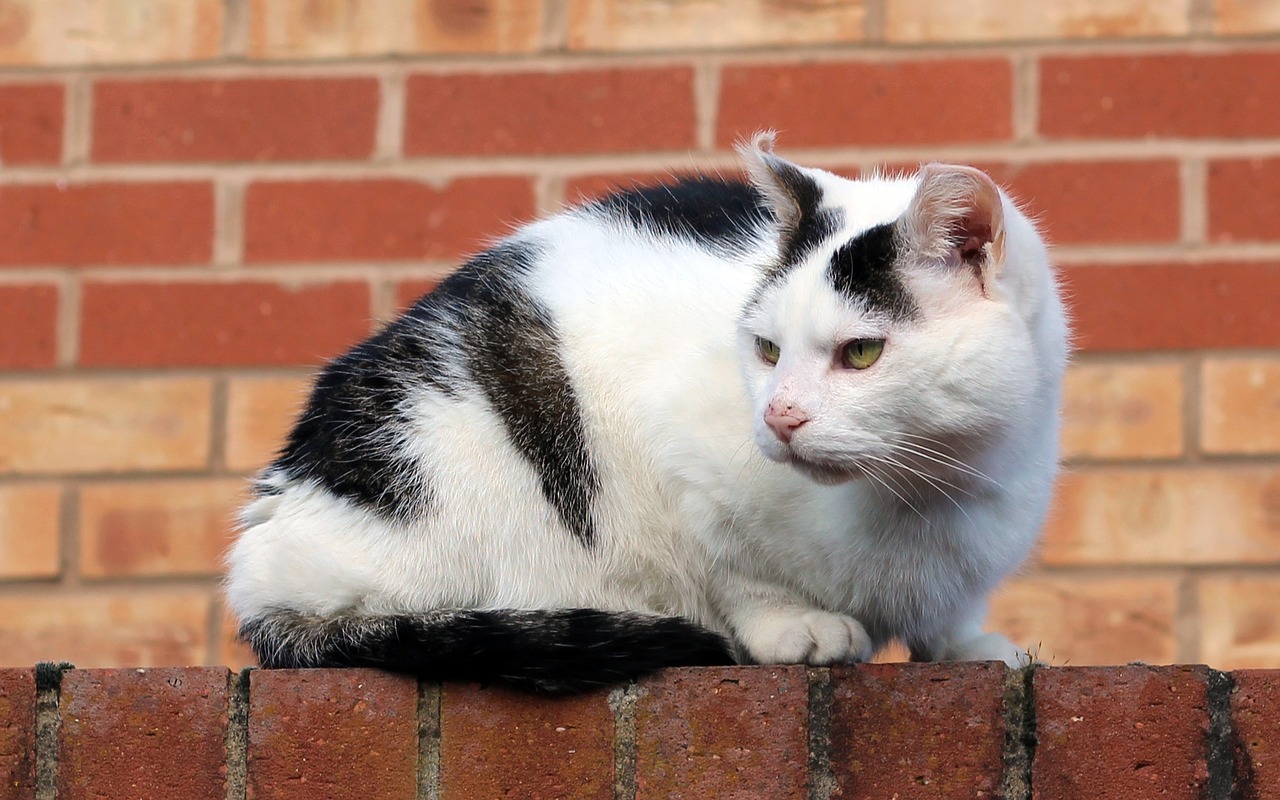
<point>554,651</point>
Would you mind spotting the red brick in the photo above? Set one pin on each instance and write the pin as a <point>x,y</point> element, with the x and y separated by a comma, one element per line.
<point>335,734</point>
<point>497,743</point>
<point>581,188</point>
<point>1255,714</point>
<point>735,732</point>
<point>408,292</point>
<point>254,119</point>
<point>18,734</point>
<point>28,326</point>
<point>918,730</point>
<point>550,113</point>
<point>1121,732</point>
<point>1243,196</point>
<point>30,123</point>
<point>859,103</point>
<point>106,223</point>
<point>132,733</point>
<point>220,324</point>
<point>1171,95</point>
<point>387,219</point>
<point>1174,306</point>
<point>1102,202</point>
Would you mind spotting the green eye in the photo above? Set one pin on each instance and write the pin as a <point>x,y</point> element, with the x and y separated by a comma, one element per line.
<point>768,350</point>
<point>861,353</point>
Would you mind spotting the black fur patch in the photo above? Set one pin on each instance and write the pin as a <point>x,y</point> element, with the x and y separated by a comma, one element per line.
<point>705,210</point>
<point>554,651</point>
<point>815,223</point>
<point>863,271</point>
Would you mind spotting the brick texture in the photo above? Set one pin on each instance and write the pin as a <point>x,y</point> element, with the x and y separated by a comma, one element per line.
<point>28,326</point>
<point>658,25</point>
<point>1240,193</point>
<point>1123,410</point>
<point>497,743</point>
<point>256,119</point>
<point>31,123</point>
<point>18,734</point>
<point>926,21</point>
<point>29,520</point>
<point>1240,402</point>
<point>560,113</point>
<point>337,734</point>
<point>1142,731</point>
<point>120,731</point>
<point>1245,17</point>
<point>106,223</point>
<point>251,322</point>
<point>260,412</point>
<point>1255,715</point>
<point>111,31</point>
<point>722,732</point>
<point>1237,627</point>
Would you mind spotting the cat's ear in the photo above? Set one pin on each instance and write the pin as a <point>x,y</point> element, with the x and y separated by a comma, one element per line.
<point>957,216</point>
<point>791,194</point>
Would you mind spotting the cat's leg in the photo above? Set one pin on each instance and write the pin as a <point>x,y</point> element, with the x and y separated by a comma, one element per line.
<point>777,628</point>
<point>967,641</point>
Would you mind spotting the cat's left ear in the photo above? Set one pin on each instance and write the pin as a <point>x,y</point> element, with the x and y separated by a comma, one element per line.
<point>957,217</point>
<point>791,194</point>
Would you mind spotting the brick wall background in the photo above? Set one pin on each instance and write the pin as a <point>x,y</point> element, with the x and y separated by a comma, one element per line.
<point>200,200</point>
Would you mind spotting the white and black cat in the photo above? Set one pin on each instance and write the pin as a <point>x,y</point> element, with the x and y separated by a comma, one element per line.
<point>784,421</point>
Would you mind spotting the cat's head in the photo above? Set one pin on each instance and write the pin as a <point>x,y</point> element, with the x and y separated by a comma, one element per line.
<point>895,333</point>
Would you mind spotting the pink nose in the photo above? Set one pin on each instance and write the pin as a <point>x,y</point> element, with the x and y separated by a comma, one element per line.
<point>784,420</point>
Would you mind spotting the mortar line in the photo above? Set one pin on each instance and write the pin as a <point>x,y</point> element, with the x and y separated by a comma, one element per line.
<point>555,27</point>
<point>235,29</point>
<point>1026,99</point>
<point>1186,621</point>
<point>69,535</point>
<point>70,302</point>
<point>217,461</point>
<point>874,22</point>
<point>1220,742</point>
<point>389,132</point>
<point>1016,780</point>
<point>237,737</point>
<point>1194,206</point>
<point>623,701</point>
<point>228,221</point>
<point>428,773</point>
<point>822,781</point>
<point>706,98</point>
<point>78,121</point>
<point>48,726</point>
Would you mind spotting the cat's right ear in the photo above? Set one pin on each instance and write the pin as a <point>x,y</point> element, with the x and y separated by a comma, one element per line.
<point>792,195</point>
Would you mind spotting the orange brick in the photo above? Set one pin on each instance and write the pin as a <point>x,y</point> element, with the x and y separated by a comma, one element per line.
<point>1245,17</point>
<point>110,31</point>
<point>1239,628</point>
<point>159,528</point>
<point>360,28</point>
<point>260,412</point>
<point>1165,516</point>
<point>1122,411</point>
<point>662,25</point>
<point>62,426</point>
<point>1077,621</point>
<point>100,629</point>
<point>231,651</point>
<point>920,21</point>
<point>29,531</point>
<point>1240,403</point>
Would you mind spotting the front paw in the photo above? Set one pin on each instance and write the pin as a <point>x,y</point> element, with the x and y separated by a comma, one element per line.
<point>806,637</point>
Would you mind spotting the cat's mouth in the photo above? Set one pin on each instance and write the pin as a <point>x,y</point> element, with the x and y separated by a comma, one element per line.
<point>824,472</point>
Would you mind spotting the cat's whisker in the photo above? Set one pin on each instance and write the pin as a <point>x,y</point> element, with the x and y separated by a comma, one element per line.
<point>938,484</point>
<point>947,458</point>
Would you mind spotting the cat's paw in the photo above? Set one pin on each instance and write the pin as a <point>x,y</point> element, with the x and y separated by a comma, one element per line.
<point>990,647</point>
<point>806,637</point>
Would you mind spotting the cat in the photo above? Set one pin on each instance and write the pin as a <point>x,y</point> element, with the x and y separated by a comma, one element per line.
<point>782,420</point>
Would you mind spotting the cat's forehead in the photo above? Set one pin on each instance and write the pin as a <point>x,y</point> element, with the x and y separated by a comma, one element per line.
<point>865,203</point>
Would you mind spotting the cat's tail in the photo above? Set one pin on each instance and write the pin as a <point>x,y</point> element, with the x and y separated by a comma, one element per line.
<point>555,651</point>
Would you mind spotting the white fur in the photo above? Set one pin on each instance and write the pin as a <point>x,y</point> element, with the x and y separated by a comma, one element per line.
<point>701,512</point>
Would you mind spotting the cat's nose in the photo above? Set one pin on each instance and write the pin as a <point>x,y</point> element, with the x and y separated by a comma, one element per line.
<point>784,420</point>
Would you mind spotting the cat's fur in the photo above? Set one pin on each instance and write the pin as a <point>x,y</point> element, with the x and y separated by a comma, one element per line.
<point>570,463</point>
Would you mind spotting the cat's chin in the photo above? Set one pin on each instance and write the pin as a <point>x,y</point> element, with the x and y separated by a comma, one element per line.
<point>826,474</point>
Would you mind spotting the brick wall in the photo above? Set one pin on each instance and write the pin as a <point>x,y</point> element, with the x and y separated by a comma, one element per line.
<point>874,732</point>
<point>200,200</point>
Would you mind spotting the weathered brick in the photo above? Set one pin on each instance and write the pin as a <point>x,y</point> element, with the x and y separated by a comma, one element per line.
<point>220,324</point>
<point>659,25</point>
<point>1081,620</point>
<point>332,733</point>
<point>497,743</point>
<point>111,31</point>
<point>1255,715</point>
<point>722,732</point>
<point>105,629</point>
<point>550,113</point>
<point>129,733</point>
<point>28,326</point>
<point>836,104</point>
<point>1238,624</point>
<point>175,527</point>
<point>1242,193</point>
<point>1173,306</point>
<point>248,119</point>
<point>18,734</point>
<point>1121,732</point>
<point>379,219</point>
<point>929,21</point>
<point>29,518</point>
<point>260,412</point>
<point>1123,410</point>
<point>1246,17</point>
<point>106,223</point>
<point>359,28</point>
<point>59,426</point>
<point>918,730</point>
<point>1240,405</point>
<point>1202,515</point>
<point>30,123</point>
<point>1144,96</point>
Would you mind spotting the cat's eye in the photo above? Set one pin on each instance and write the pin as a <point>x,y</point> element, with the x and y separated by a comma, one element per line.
<point>768,350</point>
<point>861,353</point>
